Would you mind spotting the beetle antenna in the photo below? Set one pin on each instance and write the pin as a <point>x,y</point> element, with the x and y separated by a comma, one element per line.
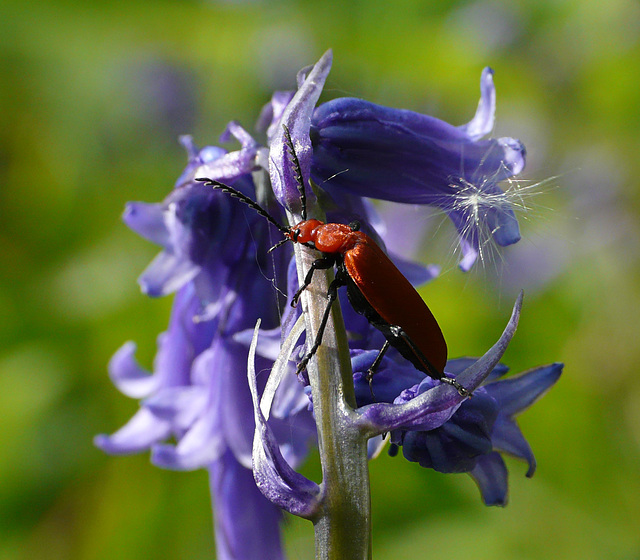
<point>243,198</point>
<point>279,244</point>
<point>297,170</point>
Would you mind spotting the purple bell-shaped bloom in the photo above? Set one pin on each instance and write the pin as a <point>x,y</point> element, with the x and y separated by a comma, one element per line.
<point>392,154</point>
<point>215,258</point>
<point>479,429</point>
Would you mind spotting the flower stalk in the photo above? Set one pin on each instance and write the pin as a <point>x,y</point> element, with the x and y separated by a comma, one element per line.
<point>342,523</point>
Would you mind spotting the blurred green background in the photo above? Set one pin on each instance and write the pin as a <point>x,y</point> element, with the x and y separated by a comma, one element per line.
<point>92,99</point>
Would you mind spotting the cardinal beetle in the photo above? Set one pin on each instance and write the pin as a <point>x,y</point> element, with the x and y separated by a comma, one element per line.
<point>375,287</point>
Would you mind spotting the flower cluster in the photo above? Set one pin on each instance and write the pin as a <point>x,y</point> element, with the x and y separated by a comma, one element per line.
<point>198,392</point>
<point>215,259</point>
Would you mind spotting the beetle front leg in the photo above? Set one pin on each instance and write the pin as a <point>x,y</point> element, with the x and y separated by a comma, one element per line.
<point>332,294</point>
<point>327,261</point>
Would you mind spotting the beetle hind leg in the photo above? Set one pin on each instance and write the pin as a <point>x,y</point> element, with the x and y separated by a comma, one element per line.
<point>374,366</point>
<point>398,333</point>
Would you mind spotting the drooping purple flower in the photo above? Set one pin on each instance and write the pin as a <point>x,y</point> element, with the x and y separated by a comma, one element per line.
<point>164,93</point>
<point>479,429</point>
<point>215,258</point>
<point>399,155</point>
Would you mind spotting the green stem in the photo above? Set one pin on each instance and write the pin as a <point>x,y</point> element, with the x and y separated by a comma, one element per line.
<point>343,523</point>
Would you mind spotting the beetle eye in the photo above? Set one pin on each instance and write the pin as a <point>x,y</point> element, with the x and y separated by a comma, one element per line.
<point>355,225</point>
<point>296,234</point>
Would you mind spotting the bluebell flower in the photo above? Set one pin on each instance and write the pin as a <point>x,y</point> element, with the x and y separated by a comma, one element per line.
<point>215,259</point>
<point>392,154</point>
<point>165,94</point>
<point>482,428</point>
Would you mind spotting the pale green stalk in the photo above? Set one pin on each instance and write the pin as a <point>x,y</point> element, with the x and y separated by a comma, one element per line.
<point>343,522</point>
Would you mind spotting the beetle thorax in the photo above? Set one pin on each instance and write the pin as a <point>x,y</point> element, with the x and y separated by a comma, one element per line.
<point>335,238</point>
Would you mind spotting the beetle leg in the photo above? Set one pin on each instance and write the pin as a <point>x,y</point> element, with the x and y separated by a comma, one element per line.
<point>398,332</point>
<point>322,263</point>
<point>374,366</point>
<point>332,294</point>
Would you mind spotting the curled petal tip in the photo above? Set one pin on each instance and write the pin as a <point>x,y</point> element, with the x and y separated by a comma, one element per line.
<point>483,121</point>
<point>275,478</point>
<point>186,141</point>
<point>491,476</point>
<point>296,120</point>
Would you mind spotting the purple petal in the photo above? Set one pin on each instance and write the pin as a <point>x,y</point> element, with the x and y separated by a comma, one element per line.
<point>402,226</point>
<point>229,415</point>
<point>482,123</point>
<point>507,437</point>
<point>297,118</point>
<point>247,525</point>
<point>216,296</point>
<point>147,220</point>
<point>186,140</point>
<point>128,376</point>
<point>430,410</point>
<point>179,405</point>
<point>277,481</point>
<point>282,390</point>
<point>199,446</point>
<point>184,340</point>
<point>290,397</point>
<point>513,157</point>
<point>232,165</point>
<point>390,380</point>
<point>391,154</point>
<point>271,113</point>
<point>481,215</point>
<point>166,274</point>
<point>295,435</point>
<point>433,450</point>
<point>469,254</point>
<point>268,342</point>
<point>518,393</point>
<point>491,476</point>
<point>434,407</point>
<point>143,430</point>
<point>370,143</point>
<point>237,412</point>
<point>205,440</point>
<point>196,159</point>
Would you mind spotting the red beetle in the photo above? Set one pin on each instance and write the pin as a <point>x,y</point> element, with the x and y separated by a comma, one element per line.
<point>375,288</point>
